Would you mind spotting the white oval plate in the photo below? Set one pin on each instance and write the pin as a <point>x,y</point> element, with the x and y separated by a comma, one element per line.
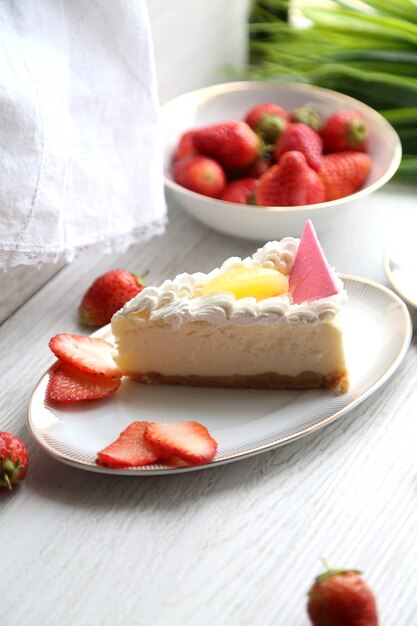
<point>243,421</point>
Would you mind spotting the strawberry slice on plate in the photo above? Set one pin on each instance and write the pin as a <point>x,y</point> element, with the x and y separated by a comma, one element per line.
<point>68,384</point>
<point>88,354</point>
<point>130,449</point>
<point>177,461</point>
<point>190,441</point>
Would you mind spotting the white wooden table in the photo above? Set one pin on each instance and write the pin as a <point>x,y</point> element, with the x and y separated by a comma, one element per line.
<point>235,545</point>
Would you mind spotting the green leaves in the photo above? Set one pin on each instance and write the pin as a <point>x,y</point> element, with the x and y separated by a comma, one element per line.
<point>363,23</point>
<point>366,49</point>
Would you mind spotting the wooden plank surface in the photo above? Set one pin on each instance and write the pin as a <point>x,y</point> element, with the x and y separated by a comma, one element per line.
<point>235,545</point>
<point>18,284</point>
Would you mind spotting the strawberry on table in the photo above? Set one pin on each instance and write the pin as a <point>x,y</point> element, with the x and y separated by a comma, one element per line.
<point>108,293</point>
<point>304,139</point>
<point>130,449</point>
<point>67,384</point>
<point>190,441</point>
<point>200,174</point>
<point>268,120</point>
<point>290,183</point>
<point>233,144</point>
<point>90,355</point>
<point>344,173</point>
<point>341,598</point>
<point>345,130</point>
<point>240,191</point>
<point>13,460</point>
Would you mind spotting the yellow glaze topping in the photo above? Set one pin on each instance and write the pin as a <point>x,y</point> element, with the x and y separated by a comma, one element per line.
<point>255,282</point>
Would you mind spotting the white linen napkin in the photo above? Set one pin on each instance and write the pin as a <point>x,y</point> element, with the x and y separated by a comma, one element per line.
<point>80,159</point>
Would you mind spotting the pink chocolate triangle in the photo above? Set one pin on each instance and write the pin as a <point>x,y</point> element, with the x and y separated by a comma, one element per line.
<point>311,277</point>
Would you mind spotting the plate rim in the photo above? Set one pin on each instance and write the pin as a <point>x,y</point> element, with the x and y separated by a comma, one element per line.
<point>388,273</point>
<point>237,456</point>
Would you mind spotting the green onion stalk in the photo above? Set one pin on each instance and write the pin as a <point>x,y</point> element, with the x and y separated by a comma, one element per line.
<point>366,49</point>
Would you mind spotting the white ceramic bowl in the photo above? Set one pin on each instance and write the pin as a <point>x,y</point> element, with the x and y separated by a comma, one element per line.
<point>232,101</point>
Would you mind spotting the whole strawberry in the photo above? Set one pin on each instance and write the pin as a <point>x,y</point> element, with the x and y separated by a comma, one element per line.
<point>233,144</point>
<point>185,146</point>
<point>345,130</point>
<point>343,173</point>
<point>304,139</point>
<point>308,116</point>
<point>268,120</point>
<point>260,165</point>
<point>200,174</point>
<point>341,598</point>
<point>108,294</point>
<point>290,183</point>
<point>13,460</point>
<point>240,191</point>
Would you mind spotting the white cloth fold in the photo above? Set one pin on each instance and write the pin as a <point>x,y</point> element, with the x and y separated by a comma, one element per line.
<point>80,156</point>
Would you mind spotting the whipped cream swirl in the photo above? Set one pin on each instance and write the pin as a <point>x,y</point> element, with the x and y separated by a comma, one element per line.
<point>180,299</point>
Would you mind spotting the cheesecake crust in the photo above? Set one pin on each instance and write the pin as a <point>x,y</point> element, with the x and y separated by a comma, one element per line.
<point>269,380</point>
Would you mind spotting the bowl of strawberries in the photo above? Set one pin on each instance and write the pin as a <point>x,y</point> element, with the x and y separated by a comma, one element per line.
<point>257,159</point>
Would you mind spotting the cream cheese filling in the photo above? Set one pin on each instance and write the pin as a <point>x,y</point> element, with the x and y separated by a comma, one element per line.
<point>199,348</point>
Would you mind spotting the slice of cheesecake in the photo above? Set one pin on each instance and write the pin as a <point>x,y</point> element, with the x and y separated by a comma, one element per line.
<point>273,320</point>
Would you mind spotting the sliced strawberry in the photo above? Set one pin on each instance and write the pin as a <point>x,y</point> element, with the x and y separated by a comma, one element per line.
<point>89,355</point>
<point>130,449</point>
<point>190,441</point>
<point>67,384</point>
<point>177,461</point>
